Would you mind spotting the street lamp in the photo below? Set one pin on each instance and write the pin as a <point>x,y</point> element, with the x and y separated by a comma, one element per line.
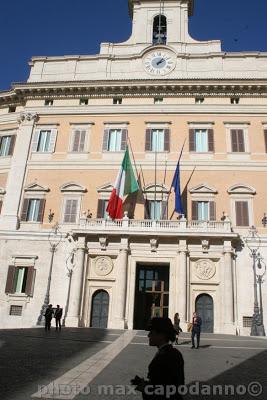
<point>253,243</point>
<point>261,271</point>
<point>54,238</point>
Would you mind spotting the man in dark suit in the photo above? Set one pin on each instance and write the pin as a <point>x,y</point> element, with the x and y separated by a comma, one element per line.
<point>196,329</point>
<point>48,317</point>
<point>58,316</point>
<point>166,370</point>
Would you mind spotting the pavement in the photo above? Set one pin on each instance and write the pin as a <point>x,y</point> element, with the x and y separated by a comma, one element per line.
<point>98,364</point>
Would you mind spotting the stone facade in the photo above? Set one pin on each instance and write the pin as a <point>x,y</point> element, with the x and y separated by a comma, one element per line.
<point>59,169</point>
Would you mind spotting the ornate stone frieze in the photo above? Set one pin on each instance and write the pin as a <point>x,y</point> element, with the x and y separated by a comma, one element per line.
<point>103,266</point>
<point>205,269</point>
<point>26,116</point>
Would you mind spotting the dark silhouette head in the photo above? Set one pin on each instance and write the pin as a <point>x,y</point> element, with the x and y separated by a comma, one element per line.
<point>161,331</point>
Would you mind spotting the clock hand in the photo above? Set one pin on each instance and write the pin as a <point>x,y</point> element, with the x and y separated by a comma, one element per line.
<point>160,61</point>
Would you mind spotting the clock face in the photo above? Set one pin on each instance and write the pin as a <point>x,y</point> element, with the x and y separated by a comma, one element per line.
<point>159,62</point>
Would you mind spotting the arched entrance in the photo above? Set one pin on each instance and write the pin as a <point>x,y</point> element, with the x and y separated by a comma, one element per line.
<point>100,307</point>
<point>205,309</point>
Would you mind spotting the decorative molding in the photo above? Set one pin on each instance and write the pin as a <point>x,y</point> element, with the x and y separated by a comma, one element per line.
<point>107,187</point>
<point>103,266</point>
<point>103,242</point>
<point>203,188</point>
<point>72,187</point>
<point>154,245</point>
<point>241,189</point>
<point>205,269</point>
<point>28,116</point>
<point>35,187</point>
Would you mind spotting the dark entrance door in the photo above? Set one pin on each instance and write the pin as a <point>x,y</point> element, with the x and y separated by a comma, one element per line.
<point>204,308</point>
<point>100,307</point>
<point>151,294</point>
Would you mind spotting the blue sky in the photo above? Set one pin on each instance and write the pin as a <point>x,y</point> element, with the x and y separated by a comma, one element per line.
<point>60,27</point>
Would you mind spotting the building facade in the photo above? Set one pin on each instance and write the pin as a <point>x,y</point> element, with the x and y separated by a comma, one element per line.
<point>63,134</point>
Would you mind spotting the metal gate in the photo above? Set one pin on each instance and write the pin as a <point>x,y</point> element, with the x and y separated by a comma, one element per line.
<point>100,308</point>
<point>204,308</point>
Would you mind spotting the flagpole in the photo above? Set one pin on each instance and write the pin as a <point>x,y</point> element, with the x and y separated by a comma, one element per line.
<point>144,183</point>
<point>155,191</point>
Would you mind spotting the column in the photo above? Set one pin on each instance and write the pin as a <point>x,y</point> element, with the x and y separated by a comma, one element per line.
<point>14,189</point>
<point>73,317</point>
<point>182,282</point>
<point>228,298</point>
<point>121,288</point>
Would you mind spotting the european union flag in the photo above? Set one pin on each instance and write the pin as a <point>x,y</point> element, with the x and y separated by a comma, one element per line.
<point>177,190</point>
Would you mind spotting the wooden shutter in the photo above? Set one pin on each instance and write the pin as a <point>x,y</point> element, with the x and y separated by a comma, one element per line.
<point>164,210</point>
<point>74,209</point>
<point>194,210</point>
<point>148,145</point>
<point>30,281</point>
<point>53,139</point>
<point>82,140</point>
<point>12,145</point>
<point>166,139</point>
<point>242,216</point>
<point>234,140</point>
<point>192,142</point>
<point>41,210</point>
<point>210,140</point>
<point>105,140</point>
<point>35,140</point>
<point>265,138</point>
<point>67,211</point>
<point>101,208</point>
<point>24,211</point>
<point>124,134</point>
<point>147,209</point>
<point>70,213</point>
<point>240,140</point>
<point>1,205</point>
<point>212,205</point>
<point>10,279</point>
<point>76,140</point>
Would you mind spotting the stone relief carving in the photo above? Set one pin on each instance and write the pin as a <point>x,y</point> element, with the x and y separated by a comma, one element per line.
<point>103,266</point>
<point>205,269</point>
<point>26,116</point>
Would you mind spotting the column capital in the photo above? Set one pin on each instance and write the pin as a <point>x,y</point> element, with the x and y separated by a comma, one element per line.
<point>26,117</point>
<point>81,243</point>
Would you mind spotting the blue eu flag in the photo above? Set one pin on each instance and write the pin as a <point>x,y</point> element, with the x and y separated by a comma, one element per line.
<point>177,190</point>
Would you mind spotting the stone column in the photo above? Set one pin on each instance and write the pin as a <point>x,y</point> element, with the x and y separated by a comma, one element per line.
<point>73,317</point>
<point>182,282</point>
<point>228,298</point>
<point>121,287</point>
<point>9,219</point>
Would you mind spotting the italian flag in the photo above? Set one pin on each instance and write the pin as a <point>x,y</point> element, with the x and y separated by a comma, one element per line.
<point>126,183</point>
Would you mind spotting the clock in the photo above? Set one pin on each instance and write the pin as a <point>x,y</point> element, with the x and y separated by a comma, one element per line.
<point>159,62</point>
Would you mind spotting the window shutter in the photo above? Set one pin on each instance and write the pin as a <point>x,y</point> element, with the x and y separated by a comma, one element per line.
<point>265,138</point>
<point>10,279</point>
<point>24,211</point>
<point>240,138</point>
<point>164,210</point>
<point>35,140</point>
<point>211,140</point>
<point>82,140</point>
<point>41,210</point>
<point>12,145</point>
<point>124,133</point>
<point>1,205</point>
<point>70,213</point>
<point>67,211</point>
<point>242,217</point>
<point>76,140</point>
<point>105,140</point>
<point>148,145</point>
<point>234,140</point>
<point>147,209</point>
<point>212,211</point>
<point>192,143</point>
<point>100,208</point>
<point>194,210</point>
<point>30,281</point>
<point>53,140</point>
<point>74,209</point>
<point>166,139</point>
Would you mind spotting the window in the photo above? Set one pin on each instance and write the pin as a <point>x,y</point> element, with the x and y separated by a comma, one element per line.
<point>15,310</point>
<point>242,213</point>
<point>33,210</point>
<point>49,102</point>
<point>70,211</point>
<point>7,144</point>
<point>203,211</point>
<point>158,100</point>
<point>117,100</point>
<point>237,140</point>
<point>44,141</point>
<point>199,100</point>
<point>83,102</point>
<point>157,140</point>
<point>159,30</point>
<point>20,279</point>
<point>201,140</point>
<point>12,109</point>
<point>78,142</point>
<point>234,100</point>
<point>115,140</point>
<point>101,208</point>
<point>156,210</point>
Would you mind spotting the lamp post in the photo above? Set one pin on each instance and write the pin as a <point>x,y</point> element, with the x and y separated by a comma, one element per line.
<point>54,238</point>
<point>253,243</point>
<point>261,271</point>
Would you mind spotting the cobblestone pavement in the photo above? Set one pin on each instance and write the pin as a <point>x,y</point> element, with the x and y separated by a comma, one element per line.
<point>98,364</point>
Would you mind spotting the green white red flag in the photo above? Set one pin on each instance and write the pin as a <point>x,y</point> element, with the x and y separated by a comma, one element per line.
<point>125,184</point>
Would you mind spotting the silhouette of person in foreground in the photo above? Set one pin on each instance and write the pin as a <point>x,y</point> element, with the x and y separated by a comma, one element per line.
<point>58,316</point>
<point>166,370</point>
<point>196,329</point>
<point>48,317</point>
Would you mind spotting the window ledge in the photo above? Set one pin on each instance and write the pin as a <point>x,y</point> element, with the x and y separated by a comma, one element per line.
<point>18,298</point>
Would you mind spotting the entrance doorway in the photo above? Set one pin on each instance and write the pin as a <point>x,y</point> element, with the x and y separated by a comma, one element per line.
<point>100,307</point>
<point>205,309</point>
<point>151,294</point>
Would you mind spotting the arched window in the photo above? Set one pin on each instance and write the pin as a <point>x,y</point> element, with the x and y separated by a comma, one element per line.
<point>160,30</point>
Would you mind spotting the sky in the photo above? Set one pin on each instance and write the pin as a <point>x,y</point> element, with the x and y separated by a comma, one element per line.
<point>75,27</point>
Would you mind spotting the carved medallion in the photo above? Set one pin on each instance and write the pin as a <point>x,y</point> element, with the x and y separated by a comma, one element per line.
<point>103,266</point>
<point>205,269</point>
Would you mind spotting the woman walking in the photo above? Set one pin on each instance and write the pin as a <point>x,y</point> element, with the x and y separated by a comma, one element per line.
<point>177,328</point>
